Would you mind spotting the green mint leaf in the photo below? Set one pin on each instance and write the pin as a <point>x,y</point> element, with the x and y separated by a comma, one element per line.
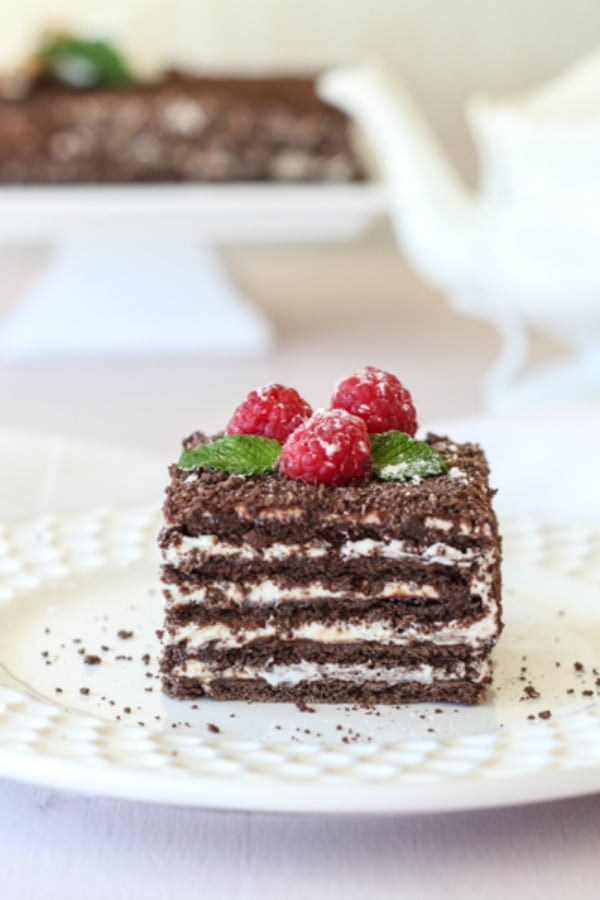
<point>240,454</point>
<point>398,457</point>
<point>95,62</point>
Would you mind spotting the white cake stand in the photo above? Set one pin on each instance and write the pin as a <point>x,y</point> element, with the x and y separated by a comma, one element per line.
<point>134,271</point>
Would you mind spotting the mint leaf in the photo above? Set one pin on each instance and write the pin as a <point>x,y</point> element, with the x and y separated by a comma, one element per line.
<point>69,59</point>
<point>398,457</point>
<point>240,454</point>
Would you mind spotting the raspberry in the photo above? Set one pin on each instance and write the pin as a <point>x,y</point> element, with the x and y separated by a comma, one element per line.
<point>331,447</point>
<point>272,411</point>
<point>379,399</point>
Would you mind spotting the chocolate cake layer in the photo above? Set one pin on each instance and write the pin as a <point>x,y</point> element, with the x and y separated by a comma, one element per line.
<point>280,664</point>
<point>327,566</point>
<point>285,587</point>
<point>220,591</point>
<point>180,129</point>
<point>446,508</point>
<point>278,651</point>
<point>400,615</point>
<point>329,691</point>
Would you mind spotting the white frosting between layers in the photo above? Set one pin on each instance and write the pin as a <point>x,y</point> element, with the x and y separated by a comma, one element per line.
<point>208,545</point>
<point>205,546</point>
<point>268,592</point>
<point>381,632</point>
<point>359,674</point>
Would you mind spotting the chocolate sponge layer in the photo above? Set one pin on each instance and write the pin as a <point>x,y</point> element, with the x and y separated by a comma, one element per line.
<point>366,694</point>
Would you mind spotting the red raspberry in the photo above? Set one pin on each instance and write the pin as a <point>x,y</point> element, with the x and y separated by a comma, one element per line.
<point>379,399</point>
<point>273,411</point>
<point>331,447</point>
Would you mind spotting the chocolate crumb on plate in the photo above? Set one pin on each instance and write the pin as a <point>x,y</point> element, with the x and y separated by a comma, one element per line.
<point>303,706</point>
<point>124,635</point>
<point>545,714</point>
<point>214,729</point>
<point>92,659</point>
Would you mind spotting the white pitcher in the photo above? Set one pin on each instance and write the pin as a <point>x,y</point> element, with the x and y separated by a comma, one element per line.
<point>522,250</point>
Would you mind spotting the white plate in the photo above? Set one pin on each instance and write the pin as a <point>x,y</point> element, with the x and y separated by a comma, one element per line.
<point>87,577</point>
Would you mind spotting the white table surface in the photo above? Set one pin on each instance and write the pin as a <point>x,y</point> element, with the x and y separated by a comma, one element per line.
<point>67,846</point>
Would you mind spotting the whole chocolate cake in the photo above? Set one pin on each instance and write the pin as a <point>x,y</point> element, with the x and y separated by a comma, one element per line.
<point>345,564</point>
<point>181,128</point>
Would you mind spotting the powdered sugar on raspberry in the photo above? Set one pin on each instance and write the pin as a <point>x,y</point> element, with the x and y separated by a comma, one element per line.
<point>378,398</point>
<point>272,411</point>
<point>332,447</point>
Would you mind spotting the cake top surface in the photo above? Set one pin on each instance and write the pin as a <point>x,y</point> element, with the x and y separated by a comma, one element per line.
<point>356,467</point>
<point>207,499</point>
<point>294,94</point>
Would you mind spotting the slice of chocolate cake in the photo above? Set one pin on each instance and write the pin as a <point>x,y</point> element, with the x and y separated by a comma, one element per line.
<point>377,591</point>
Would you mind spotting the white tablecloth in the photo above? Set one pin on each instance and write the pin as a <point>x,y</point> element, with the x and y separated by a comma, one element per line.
<point>63,846</point>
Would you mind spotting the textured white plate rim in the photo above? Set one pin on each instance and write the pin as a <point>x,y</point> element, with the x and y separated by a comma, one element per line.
<point>276,792</point>
<point>263,795</point>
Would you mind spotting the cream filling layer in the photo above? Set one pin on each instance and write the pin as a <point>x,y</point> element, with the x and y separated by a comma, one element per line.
<point>310,671</point>
<point>382,632</point>
<point>268,592</point>
<point>204,546</point>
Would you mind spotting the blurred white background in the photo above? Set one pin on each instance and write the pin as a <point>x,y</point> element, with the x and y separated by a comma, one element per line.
<point>344,305</point>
